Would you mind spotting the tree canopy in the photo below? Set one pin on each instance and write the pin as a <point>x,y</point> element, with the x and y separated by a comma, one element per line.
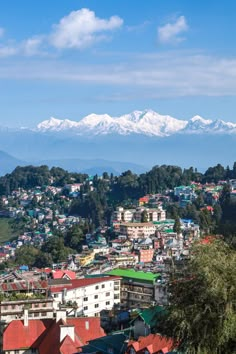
<point>202,312</point>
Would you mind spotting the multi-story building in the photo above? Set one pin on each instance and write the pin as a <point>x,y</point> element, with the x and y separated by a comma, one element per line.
<point>123,215</point>
<point>128,215</point>
<point>137,287</point>
<point>137,230</point>
<point>37,308</point>
<point>146,255</point>
<point>87,296</point>
<point>154,214</point>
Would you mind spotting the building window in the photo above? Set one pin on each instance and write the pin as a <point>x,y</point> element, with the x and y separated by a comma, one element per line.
<point>95,296</point>
<point>96,287</point>
<point>103,286</point>
<point>43,314</point>
<point>107,294</point>
<point>85,308</point>
<point>96,306</point>
<point>85,299</point>
<point>117,296</point>
<point>55,295</point>
<point>108,303</point>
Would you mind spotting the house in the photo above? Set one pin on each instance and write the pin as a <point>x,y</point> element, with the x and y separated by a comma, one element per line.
<point>37,308</point>
<point>87,296</point>
<point>50,336</point>
<point>145,321</point>
<point>152,344</point>
<point>63,274</point>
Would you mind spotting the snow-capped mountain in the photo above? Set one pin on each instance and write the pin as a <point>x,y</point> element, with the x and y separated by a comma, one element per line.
<point>138,122</point>
<point>199,125</point>
<point>145,122</point>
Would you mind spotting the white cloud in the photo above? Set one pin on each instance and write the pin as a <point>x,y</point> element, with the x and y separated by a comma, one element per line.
<point>139,27</point>
<point>8,51</point>
<point>81,29</point>
<point>31,46</point>
<point>170,33</point>
<point>169,74</point>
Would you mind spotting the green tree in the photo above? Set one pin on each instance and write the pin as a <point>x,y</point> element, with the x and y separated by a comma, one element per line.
<point>177,226</point>
<point>74,238</point>
<point>26,255</point>
<point>55,246</point>
<point>206,222</point>
<point>43,260</point>
<point>202,312</point>
<point>144,216</point>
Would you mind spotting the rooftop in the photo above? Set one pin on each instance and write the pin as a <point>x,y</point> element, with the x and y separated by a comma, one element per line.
<point>132,274</point>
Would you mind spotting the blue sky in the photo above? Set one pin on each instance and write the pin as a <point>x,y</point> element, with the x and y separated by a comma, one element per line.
<point>69,58</point>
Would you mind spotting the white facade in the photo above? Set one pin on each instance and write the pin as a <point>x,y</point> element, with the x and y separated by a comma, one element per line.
<point>129,215</point>
<point>157,214</point>
<point>90,299</point>
<point>137,230</point>
<point>121,214</point>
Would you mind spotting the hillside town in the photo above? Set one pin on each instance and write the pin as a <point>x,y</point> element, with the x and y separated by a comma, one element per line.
<point>116,284</point>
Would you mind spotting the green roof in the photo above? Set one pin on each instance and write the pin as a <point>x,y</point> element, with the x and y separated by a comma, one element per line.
<point>164,222</point>
<point>117,342</point>
<point>137,275</point>
<point>150,315</point>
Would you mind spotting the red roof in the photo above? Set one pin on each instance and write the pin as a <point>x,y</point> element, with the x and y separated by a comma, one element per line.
<point>207,240</point>
<point>52,339</point>
<point>87,328</point>
<point>68,346</point>
<point>153,343</point>
<point>59,274</point>
<point>17,336</point>
<point>80,283</point>
<point>45,335</point>
<point>23,285</point>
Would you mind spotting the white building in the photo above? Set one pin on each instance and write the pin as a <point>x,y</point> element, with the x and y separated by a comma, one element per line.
<point>137,230</point>
<point>129,215</point>
<point>154,214</point>
<point>121,214</point>
<point>88,295</point>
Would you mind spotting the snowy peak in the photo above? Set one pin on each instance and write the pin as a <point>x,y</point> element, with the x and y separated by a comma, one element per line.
<point>49,124</point>
<point>197,124</point>
<point>147,122</point>
<point>54,124</point>
<point>201,120</point>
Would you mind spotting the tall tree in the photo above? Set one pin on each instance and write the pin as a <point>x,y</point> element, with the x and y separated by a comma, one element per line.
<point>177,226</point>
<point>202,312</point>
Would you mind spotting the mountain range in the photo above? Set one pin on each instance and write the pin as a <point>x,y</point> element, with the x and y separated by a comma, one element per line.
<point>146,122</point>
<point>136,141</point>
